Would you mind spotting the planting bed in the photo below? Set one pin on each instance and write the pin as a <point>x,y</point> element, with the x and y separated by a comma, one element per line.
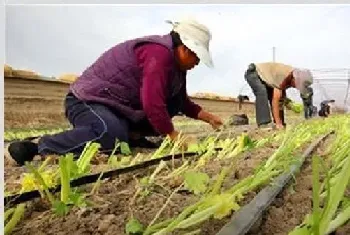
<point>113,205</point>
<point>299,200</point>
<point>12,174</point>
<point>111,213</point>
<point>117,200</point>
<point>294,203</point>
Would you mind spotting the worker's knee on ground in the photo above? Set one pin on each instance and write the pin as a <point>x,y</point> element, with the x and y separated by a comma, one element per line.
<point>108,134</point>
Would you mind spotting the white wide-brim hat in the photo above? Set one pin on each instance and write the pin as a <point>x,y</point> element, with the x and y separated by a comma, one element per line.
<point>196,37</point>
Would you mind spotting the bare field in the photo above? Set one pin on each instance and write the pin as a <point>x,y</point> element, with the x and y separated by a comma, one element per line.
<point>33,104</point>
<point>116,195</point>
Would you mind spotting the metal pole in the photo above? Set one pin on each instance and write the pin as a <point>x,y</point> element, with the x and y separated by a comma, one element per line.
<point>347,89</point>
<point>274,54</point>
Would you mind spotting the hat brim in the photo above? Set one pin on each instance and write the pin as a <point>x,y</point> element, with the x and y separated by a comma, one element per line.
<point>202,52</point>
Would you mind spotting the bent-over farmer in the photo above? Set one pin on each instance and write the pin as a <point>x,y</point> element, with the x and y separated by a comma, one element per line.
<point>131,91</point>
<point>325,108</point>
<point>269,82</point>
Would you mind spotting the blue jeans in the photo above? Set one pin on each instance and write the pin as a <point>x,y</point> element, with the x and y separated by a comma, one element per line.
<point>91,122</point>
<point>263,94</point>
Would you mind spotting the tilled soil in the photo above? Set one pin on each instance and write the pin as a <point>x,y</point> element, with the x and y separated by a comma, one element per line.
<point>289,208</point>
<point>294,203</point>
<point>245,167</point>
<point>110,211</point>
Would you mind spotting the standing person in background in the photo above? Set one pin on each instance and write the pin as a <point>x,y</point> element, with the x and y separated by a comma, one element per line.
<point>241,99</point>
<point>308,103</point>
<point>269,82</point>
<point>131,91</point>
<point>325,109</point>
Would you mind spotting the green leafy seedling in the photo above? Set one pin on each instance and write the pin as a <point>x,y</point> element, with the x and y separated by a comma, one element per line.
<point>193,148</point>
<point>225,202</point>
<point>77,199</point>
<point>134,227</point>
<point>124,148</point>
<point>113,161</point>
<point>17,215</point>
<point>196,182</point>
<point>145,184</point>
<point>124,161</point>
<point>144,181</point>
<point>60,208</point>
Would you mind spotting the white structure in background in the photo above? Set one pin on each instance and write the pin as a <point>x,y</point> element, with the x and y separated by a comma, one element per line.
<point>332,84</point>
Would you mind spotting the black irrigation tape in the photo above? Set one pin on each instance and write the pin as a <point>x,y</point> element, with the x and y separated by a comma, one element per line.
<point>27,196</point>
<point>88,179</point>
<point>244,219</point>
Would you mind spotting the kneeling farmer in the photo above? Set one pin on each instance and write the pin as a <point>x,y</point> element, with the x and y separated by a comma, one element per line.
<point>269,82</point>
<point>325,109</point>
<point>131,91</point>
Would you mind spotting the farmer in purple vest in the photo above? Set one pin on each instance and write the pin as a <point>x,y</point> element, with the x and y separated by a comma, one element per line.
<point>132,90</point>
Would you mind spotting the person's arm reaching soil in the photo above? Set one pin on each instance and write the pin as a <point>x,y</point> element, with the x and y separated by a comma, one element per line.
<point>276,97</point>
<point>195,111</point>
<point>190,109</point>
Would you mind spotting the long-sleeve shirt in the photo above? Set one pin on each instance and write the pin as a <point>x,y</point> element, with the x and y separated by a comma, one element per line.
<point>156,62</point>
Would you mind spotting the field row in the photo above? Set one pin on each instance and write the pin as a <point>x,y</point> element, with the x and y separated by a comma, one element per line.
<point>197,194</point>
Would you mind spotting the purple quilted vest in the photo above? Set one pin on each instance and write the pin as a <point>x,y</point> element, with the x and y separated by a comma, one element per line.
<point>114,79</point>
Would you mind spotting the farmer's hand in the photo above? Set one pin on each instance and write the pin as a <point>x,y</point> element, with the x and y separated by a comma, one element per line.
<point>216,122</point>
<point>279,126</point>
<point>213,120</point>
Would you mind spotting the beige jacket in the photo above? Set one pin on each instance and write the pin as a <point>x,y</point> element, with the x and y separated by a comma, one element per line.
<point>273,73</point>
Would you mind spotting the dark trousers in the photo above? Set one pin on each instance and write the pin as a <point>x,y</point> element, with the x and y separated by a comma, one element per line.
<point>308,110</point>
<point>324,111</point>
<point>91,122</point>
<point>263,97</point>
